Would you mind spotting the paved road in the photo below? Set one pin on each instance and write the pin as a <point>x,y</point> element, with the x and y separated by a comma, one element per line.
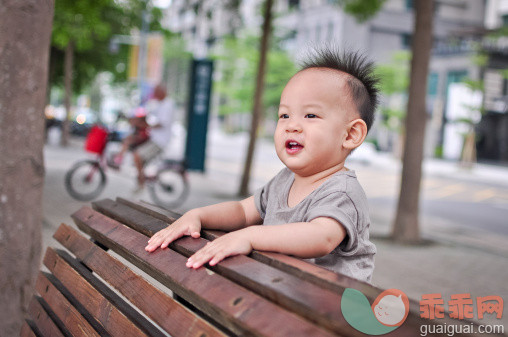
<point>463,202</point>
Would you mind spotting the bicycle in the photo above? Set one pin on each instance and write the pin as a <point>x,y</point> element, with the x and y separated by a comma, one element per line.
<point>168,185</point>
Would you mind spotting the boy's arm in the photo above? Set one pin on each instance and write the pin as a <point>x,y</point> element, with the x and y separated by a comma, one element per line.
<point>303,239</point>
<point>227,216</point>
<point>230,216</point>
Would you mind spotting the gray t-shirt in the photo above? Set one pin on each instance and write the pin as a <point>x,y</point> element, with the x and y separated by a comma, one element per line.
<point>341,198</point>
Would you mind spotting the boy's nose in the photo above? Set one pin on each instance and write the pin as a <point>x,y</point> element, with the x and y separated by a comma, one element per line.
<point>294,127</point>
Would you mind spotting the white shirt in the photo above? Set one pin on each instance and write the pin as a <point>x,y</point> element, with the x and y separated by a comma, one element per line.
<point>161,112</point>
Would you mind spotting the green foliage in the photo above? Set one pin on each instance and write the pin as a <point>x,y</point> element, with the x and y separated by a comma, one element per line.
<point>90,25</point>
<point>394,75</point>
<point>392,119</point>
<point>238,65</point>
<point>481,59</point>
<point>361,10</point>
<point>394,81</point>
<point>474,84</point>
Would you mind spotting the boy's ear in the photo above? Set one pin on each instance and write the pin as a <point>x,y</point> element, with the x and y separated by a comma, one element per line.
<point>357,131</point>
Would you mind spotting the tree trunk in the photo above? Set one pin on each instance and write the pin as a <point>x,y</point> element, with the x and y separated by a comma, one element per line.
<point>24,46</point>
<point>468,154</point>
<point>405,228</point>
<point>258,98</point>
<point>68,65</point>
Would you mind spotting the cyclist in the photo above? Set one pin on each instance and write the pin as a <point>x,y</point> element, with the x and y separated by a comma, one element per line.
<point>139,136</point>
<point>160,118</point>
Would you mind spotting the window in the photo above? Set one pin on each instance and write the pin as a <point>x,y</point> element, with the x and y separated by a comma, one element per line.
<point>505,20</point>
<point>455,76</point>
<point>294,4</point>
<point>406,40</point>
<point>432,83</point>
<point>409,4</point>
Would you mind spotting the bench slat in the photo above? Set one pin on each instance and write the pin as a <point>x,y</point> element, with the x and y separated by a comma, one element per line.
<point>309,272</point>
<point>307,299</point>
<point>42,319</point>
<point>68,314</point>
<point>231,305</point>
<point>150,209</point>
<point>96,297</point>
<point>28,329</point>
<point>161,308</point>
<point>246,273</point>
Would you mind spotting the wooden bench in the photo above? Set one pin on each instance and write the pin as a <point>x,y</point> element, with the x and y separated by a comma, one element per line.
<point>90,291</point>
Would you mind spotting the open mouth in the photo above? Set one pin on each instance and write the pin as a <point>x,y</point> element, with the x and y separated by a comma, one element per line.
<point>293,147</point>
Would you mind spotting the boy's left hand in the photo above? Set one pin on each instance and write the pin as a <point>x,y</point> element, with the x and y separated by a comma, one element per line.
<point>234,243</point>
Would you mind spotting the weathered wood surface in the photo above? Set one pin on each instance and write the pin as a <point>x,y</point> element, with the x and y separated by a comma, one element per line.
<point>306,271</point>
<point>71,317</point>
<point>294,289</point>
<point>41,318</point>
<point>307,299</point>
<point>160,307</point>
<point>96,298</point>
<point>264,294</point>
<point>28,328</point>
<point>240,310</point>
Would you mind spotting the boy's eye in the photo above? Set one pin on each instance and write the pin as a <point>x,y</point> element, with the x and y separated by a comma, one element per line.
<point>283,116</point>
<point>310,116</point>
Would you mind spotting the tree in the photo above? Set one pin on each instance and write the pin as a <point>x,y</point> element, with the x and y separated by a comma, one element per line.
<point>24,42</point>
<point>82,31</point>
<point>258,96</point>
<point>239,59</point>
<point>406,227</point>
<point>394,84</point>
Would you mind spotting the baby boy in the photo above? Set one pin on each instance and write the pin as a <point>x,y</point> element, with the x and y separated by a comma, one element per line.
<point>314,208</point>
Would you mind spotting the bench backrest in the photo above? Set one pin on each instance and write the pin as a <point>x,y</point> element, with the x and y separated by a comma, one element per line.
<point>96,293</point>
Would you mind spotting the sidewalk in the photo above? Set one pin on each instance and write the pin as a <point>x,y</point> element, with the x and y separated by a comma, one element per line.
<point>454,260</point>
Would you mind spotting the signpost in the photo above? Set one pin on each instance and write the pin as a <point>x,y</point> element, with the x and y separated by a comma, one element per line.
<point>197,114</point>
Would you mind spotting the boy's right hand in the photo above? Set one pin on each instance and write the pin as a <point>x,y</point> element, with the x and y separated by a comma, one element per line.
<point>187,224</point>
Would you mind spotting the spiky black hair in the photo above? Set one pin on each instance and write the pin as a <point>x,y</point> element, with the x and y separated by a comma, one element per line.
<point>362,82</point>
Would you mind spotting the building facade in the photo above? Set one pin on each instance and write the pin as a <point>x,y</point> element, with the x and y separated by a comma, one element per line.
<point>492,144</point>
<point>302,24</point>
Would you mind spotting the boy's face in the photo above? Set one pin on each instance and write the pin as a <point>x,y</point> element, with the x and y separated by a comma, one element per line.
<point>315,114</point>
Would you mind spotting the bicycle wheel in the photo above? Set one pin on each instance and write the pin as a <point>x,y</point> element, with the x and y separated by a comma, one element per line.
<point>170,188</point>
<point>85,180</point>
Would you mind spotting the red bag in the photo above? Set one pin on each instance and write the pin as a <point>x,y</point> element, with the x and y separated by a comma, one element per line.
<point>96,139</point>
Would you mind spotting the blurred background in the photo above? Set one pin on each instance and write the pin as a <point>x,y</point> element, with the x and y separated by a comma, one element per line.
<point>107,56</point>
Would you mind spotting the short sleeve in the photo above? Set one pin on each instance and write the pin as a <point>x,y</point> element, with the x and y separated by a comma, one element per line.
<point>338,206</point>
<point>270,189</point>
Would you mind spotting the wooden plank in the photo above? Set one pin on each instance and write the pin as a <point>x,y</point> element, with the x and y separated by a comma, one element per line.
<point>294,266</point>
<point>307,299</point>
<point>150,209</point>
<point>29,330</point>
<point>138,220</point>
<point>297,267</point>
<point>151,301</point>
<point>41,318</point>
<point>317,275</point>
<point>116,316</point>
<point>239,310</point>
<point>70,317</point>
